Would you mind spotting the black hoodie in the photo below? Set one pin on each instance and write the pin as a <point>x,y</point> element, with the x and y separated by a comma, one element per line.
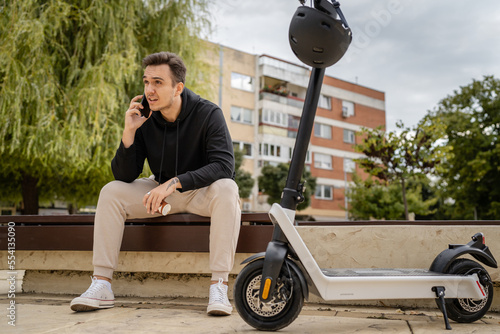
<point>196,147</point>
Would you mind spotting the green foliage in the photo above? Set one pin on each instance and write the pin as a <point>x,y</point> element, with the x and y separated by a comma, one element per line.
<point>470,131</point>
<point>399,156</point>
<point>243,179</point>
<point>68,70</point>
<point>373,199</point>
<point>458,143</point>
<point>273,179</point>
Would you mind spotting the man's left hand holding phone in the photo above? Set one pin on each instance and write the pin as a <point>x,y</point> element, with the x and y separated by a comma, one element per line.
<point>137,113</point>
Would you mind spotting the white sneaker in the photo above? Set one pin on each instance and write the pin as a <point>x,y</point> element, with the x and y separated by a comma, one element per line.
<point>97,296</point>
<point>218,303</point>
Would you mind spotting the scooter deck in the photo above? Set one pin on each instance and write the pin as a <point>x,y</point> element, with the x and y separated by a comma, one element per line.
<point>357,284</point>
<point>393,283</point>
<point>377,272</point>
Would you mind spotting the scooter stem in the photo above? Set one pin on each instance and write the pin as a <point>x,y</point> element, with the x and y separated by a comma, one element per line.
<point>277,248</point>
<point>292,194</point>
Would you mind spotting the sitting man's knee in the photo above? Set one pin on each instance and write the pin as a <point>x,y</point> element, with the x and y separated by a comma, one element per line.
<point>227,187</point>
<point>112,188</point>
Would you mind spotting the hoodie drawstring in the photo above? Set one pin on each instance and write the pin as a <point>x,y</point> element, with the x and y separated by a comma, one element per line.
<point>163,150</point>
<point>162,153</point>
<point>176,148</point>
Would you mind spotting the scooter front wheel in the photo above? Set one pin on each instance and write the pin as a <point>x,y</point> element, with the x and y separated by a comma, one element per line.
<point>466,309</point>
<point>284,306</point>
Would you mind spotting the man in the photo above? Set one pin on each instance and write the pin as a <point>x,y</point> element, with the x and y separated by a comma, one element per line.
<point>189,150</point>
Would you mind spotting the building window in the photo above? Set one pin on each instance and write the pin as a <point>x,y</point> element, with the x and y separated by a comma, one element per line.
<point>349,165</point>
<point>293,126</point>
<point>308,155</point>
<point>241,115</point>
<point>293,121</point>
<point>246,148</point>
<point>325,102</point>
<point>274,117</point>
<point>347,109</point>
<point>349,136</point>
<point>323,192</point>
<point>241,81</point>
<point>270,150</point>
<point>323,161</point>
<point>322,131</point>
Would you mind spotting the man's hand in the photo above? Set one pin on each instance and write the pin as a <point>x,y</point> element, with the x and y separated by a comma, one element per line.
<point>133,121</point>
<point>152,200</point>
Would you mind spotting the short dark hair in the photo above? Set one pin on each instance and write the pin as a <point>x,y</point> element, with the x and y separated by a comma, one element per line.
<point>172,60</point>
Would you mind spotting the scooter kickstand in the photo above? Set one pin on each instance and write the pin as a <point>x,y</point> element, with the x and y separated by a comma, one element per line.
<point>439,290</point>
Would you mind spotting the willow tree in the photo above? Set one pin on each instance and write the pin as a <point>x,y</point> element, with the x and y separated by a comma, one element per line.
<point>68,69</point>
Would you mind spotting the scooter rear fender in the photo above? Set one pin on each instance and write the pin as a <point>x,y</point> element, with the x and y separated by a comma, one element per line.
<point>291,264</point>
<point>476,248</point>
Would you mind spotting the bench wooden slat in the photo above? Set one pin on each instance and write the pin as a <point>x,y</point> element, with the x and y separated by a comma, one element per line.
<point>256,217</point>
<point>180,218</point>
<point>172,233</point>
<point>147,238</point>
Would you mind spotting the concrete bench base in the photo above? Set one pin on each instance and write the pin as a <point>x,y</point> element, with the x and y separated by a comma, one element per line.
<point>153,285</point>
<point>186,273</point>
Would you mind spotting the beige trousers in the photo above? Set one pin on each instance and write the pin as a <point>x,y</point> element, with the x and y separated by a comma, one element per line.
<point>119,201</point>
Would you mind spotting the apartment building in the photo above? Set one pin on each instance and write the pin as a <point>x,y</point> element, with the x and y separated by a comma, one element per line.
<point>262,98</point>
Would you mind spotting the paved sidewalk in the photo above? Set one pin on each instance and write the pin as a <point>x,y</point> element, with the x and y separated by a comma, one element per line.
<point>37,313</point>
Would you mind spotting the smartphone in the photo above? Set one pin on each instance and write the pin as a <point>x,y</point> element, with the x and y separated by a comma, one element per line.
<point>145,111</point>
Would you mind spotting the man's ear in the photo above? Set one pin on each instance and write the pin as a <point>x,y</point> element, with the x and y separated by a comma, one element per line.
<point>179,87</point>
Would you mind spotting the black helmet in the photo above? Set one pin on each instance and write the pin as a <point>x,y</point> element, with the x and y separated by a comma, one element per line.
<point>317,37</point>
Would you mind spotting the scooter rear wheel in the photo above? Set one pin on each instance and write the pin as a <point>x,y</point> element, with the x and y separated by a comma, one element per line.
<point>466,309</point>
<point>284,306</point>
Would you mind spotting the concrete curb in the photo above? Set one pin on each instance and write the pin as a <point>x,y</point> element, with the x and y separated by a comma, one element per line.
<point>48,313</point>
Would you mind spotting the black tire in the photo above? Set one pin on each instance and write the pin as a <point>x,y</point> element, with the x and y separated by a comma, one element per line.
<point>466,309</point>
<point>275,314</point>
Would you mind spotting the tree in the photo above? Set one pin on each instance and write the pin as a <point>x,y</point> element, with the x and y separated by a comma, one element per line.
<point>470,130</point>
<point>373,199</point>
<point>398,156</point>
<point>243,179</point>
<point>273,179</point>
<point>68,70</point>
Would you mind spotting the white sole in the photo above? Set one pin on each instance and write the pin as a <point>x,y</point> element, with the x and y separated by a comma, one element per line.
<point>219,309</point>
<point>86,304</point>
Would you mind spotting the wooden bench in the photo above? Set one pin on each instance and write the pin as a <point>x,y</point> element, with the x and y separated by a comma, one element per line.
<point>172,233</point>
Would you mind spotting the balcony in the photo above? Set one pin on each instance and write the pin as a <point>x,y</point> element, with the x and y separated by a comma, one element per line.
<point>288,100</point>
<point>285,71</point>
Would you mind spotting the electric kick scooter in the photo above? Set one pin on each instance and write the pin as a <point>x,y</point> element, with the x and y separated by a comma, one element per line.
<point>270,290</point>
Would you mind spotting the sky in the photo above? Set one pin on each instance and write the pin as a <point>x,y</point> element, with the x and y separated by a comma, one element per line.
<point>415,51</point>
